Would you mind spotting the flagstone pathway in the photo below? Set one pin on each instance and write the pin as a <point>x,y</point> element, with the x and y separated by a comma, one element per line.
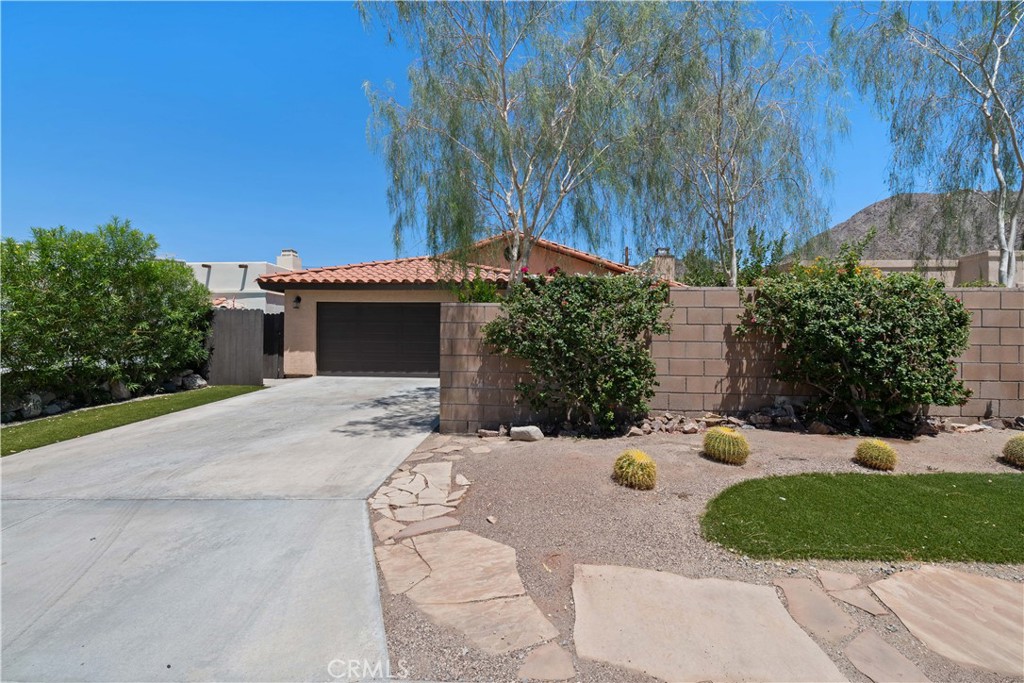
<point>670,626</point>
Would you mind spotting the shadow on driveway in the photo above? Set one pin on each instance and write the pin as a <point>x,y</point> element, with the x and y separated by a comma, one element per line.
<point>405,413</point>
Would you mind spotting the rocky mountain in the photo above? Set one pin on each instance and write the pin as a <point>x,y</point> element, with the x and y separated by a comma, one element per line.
<point>915,226</point>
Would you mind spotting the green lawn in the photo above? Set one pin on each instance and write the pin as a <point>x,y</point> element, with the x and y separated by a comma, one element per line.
<point>49,430</point>
<point>933,517</point>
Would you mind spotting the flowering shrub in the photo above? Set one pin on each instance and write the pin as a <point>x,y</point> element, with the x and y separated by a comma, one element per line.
<point>875,346</point>
<point>586,340</point>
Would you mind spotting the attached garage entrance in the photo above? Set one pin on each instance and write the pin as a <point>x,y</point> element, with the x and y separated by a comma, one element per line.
<point>382,339</point>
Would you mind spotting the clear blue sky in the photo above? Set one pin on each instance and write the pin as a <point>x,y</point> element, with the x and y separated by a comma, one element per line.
<point>231,130</point>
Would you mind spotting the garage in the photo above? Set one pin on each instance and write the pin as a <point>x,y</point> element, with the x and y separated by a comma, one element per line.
<point>378,338</point>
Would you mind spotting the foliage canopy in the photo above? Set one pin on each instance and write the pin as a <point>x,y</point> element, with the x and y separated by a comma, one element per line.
<point>586,339</point>
<point>81,308</point>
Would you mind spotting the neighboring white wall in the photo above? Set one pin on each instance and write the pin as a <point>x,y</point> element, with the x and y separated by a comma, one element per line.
<point>236,281</point>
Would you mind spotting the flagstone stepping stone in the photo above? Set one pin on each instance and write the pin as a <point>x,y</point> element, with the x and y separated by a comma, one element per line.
<point>417,457</point>
<point>465,567</point>
<point>975,620</point>
<point>461,480</point>
<point>401,566</point>
<point>453,458</point>
<point>837,581</point>
<point>425,527</point>
<point>432,496</point>
<point>451,448</point>
<point>457,495</point>
<point>430,511</point>
<point>495,626</point>
<point>417,484</point>
<point>861,599</point>
<point>680,629</point>
<point>813,610</point>
<point>401,498</point>
<point>881,662</point>
<point>386,528</point>
<point>438,474</point>
<point>409,514</point>
<point>547,663</point>
<point>480,450</point>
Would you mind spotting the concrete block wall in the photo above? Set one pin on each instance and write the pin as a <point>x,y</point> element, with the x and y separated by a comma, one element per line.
<point>703,366</point>
<point>477,388</point>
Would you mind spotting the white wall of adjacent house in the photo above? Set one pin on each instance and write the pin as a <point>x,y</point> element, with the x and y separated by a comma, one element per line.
<point>235,281</point>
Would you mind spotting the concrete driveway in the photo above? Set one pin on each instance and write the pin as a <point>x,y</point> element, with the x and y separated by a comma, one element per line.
<point>227,542</point>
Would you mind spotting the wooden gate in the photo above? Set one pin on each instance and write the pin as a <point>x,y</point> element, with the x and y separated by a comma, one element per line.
<point>236,341</point>
<point>273,345</point>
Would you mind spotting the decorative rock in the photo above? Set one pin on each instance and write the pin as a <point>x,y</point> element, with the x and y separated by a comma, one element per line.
<point>461,480</point>
<point>169,387</point>
<point>51,409</point>
<point>817,427</point>
<point>386,528</point>
<point>735,421</point>
<point>645,428</point>
<point>679,629</point>
<point>190,382</point>
<point>836,581</point>
<point>861,599</point>
<point>425,527</point>
<point>994,423</point>
<point>879,661</point>
<point>813,610</point>
<point>530,433</point>
<point>31,406</point>
<point>47,397</point>
<point>450,448</point>
<point>487,433</point>
<point>495,626</point>
<point>975,620</point>
<point>492,520</point>
<point>688,426</point>
<point>635,431</point>
<point>970,429</point>
<point>452,458</point>
<point>547,663</point>
<point>456,496</point>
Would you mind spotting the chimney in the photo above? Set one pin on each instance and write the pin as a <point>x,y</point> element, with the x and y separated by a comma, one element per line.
<point>289,259</point>
<point>663,264</point>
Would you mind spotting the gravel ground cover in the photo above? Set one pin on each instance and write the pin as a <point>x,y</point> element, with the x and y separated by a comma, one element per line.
<point>554,501</point>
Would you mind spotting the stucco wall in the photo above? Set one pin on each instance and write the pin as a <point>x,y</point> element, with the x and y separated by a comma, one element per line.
<point>541,260</point>
<point>300,323</point>
<point>702,366</point>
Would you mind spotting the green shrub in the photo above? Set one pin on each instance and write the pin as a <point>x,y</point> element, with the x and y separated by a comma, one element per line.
<point>586,339</point>
<point>1013,451</point>
<point>876,455</point>
<point>635,469</point>
<point>725,444</point>
<point>81,308</point>
<point>875,346</point>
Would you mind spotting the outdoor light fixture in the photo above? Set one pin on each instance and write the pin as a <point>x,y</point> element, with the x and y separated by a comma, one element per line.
<point>296,302</point>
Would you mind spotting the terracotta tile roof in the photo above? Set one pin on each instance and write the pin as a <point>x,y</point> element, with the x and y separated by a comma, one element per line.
<point>610,266</point>
<point>418,270</point>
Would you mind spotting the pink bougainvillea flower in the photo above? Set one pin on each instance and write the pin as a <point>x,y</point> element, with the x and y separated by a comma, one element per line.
<point>524,269</point>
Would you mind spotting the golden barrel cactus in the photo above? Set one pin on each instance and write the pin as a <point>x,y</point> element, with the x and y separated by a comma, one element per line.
<point>875,454</point>
<point>635,469</point>
<point>725,444</point>
<point>1013,451</point>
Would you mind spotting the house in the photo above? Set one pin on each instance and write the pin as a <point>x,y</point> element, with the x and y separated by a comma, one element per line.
<point>384,317</point>
<point>233,284</point>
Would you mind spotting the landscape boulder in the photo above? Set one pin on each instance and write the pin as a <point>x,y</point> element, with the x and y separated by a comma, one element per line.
<point>31,406</point>
<point>529,433</point>
<point>118,391</point>
<point>192,381</point>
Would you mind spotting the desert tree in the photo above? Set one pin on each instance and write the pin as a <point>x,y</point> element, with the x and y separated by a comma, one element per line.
<point>739,134</point>
<point>948,78</point>
<point>515,116</point>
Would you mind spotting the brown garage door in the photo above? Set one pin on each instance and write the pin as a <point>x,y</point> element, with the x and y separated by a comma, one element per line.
<point>386,339</point>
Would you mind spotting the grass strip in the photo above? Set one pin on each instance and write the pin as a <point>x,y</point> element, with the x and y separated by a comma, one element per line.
<point>908,517</point>
<point>42,432</point>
